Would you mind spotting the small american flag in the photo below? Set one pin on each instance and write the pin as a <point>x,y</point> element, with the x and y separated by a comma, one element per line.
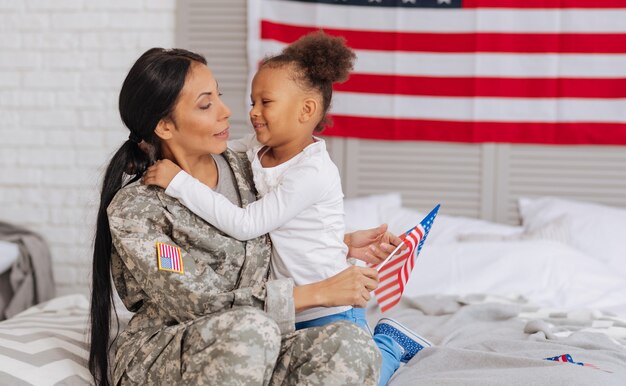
<point>562,358</point>
<point>169,258</point>
<point>567,358</point>
<point>395,272</point>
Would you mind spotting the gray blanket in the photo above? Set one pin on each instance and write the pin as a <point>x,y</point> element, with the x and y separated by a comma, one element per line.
<point>30,278</point>
<point>478,342</point>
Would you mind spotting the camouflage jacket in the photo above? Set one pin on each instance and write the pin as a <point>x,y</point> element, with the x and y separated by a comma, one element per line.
<point>219,271</point>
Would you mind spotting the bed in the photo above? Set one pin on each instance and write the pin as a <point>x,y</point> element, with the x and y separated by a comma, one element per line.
<point>541,303</point>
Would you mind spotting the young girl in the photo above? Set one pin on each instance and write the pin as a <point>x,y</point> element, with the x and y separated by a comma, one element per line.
<point>302,201</point>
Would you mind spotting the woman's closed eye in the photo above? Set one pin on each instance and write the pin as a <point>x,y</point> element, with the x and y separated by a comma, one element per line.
<point>210,103</point>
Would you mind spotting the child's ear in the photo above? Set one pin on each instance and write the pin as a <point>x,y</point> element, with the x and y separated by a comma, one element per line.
<point>310,108</point>
<point>164,129</point>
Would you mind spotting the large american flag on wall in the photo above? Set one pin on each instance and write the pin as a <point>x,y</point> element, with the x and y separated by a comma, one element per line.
<point>517,71</point>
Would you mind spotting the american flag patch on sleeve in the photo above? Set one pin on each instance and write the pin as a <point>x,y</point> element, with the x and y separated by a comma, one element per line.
<point>169,258</point>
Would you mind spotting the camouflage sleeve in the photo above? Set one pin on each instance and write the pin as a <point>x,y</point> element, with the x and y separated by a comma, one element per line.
<point>279,304</point>
<point>137,223</point>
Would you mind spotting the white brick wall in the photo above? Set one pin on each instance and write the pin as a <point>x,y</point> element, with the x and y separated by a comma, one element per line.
<point>62,63</point>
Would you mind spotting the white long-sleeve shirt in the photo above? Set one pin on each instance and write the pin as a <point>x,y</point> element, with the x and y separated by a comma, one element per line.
<point>301,207</point>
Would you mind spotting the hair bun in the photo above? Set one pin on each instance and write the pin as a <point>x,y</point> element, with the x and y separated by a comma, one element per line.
<point>323,57</point>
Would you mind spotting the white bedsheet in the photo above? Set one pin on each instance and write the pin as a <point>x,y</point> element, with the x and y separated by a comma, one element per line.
<point>547,273</point>
<point>495,341</point>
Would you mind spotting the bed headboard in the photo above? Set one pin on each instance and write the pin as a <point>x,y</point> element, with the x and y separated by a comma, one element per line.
<point>480,180</point>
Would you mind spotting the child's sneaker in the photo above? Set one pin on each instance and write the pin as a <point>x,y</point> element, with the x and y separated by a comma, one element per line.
<point>410,342</point>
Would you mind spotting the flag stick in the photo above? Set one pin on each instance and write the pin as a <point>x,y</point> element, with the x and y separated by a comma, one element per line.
<point>389,257</point>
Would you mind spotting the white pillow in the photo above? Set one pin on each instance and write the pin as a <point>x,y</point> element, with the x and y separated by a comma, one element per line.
<point>545,272</point>
<point>9,252</point>
<point>367,211</point>
<point>597,230</point>
<point>445,229</point>
<point>557,230</point>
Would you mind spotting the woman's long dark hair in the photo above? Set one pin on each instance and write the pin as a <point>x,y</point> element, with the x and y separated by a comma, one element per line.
<point>149,94</point>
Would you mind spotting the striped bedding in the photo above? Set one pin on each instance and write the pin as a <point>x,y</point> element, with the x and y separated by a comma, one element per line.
<point>46,344</point>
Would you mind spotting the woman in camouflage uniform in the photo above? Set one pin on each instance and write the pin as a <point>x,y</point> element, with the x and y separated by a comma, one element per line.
<point>205,312</point>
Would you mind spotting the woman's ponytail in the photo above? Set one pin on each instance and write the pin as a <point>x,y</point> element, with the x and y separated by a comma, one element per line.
<point>102,291</point>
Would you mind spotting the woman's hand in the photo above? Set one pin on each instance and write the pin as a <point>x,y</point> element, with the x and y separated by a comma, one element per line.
<point>372,245</point>
<point>161,173</point>
<point>350,287</point>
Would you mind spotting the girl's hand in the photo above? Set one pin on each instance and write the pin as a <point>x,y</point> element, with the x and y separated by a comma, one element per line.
<point>350,287</point>
<point>161,173</point>
<point>372,245</point>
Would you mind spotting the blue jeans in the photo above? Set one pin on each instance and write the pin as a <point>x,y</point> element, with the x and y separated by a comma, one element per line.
<point>390,350</point>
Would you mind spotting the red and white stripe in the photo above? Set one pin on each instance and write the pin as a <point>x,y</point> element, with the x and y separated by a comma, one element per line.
<point>553,71</point>
<point>394,275</point>
<point>413,239</point>
<point>173,253</point>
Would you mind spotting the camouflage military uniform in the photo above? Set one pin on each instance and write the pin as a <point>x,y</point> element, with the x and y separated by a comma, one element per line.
<point>220,322</point>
